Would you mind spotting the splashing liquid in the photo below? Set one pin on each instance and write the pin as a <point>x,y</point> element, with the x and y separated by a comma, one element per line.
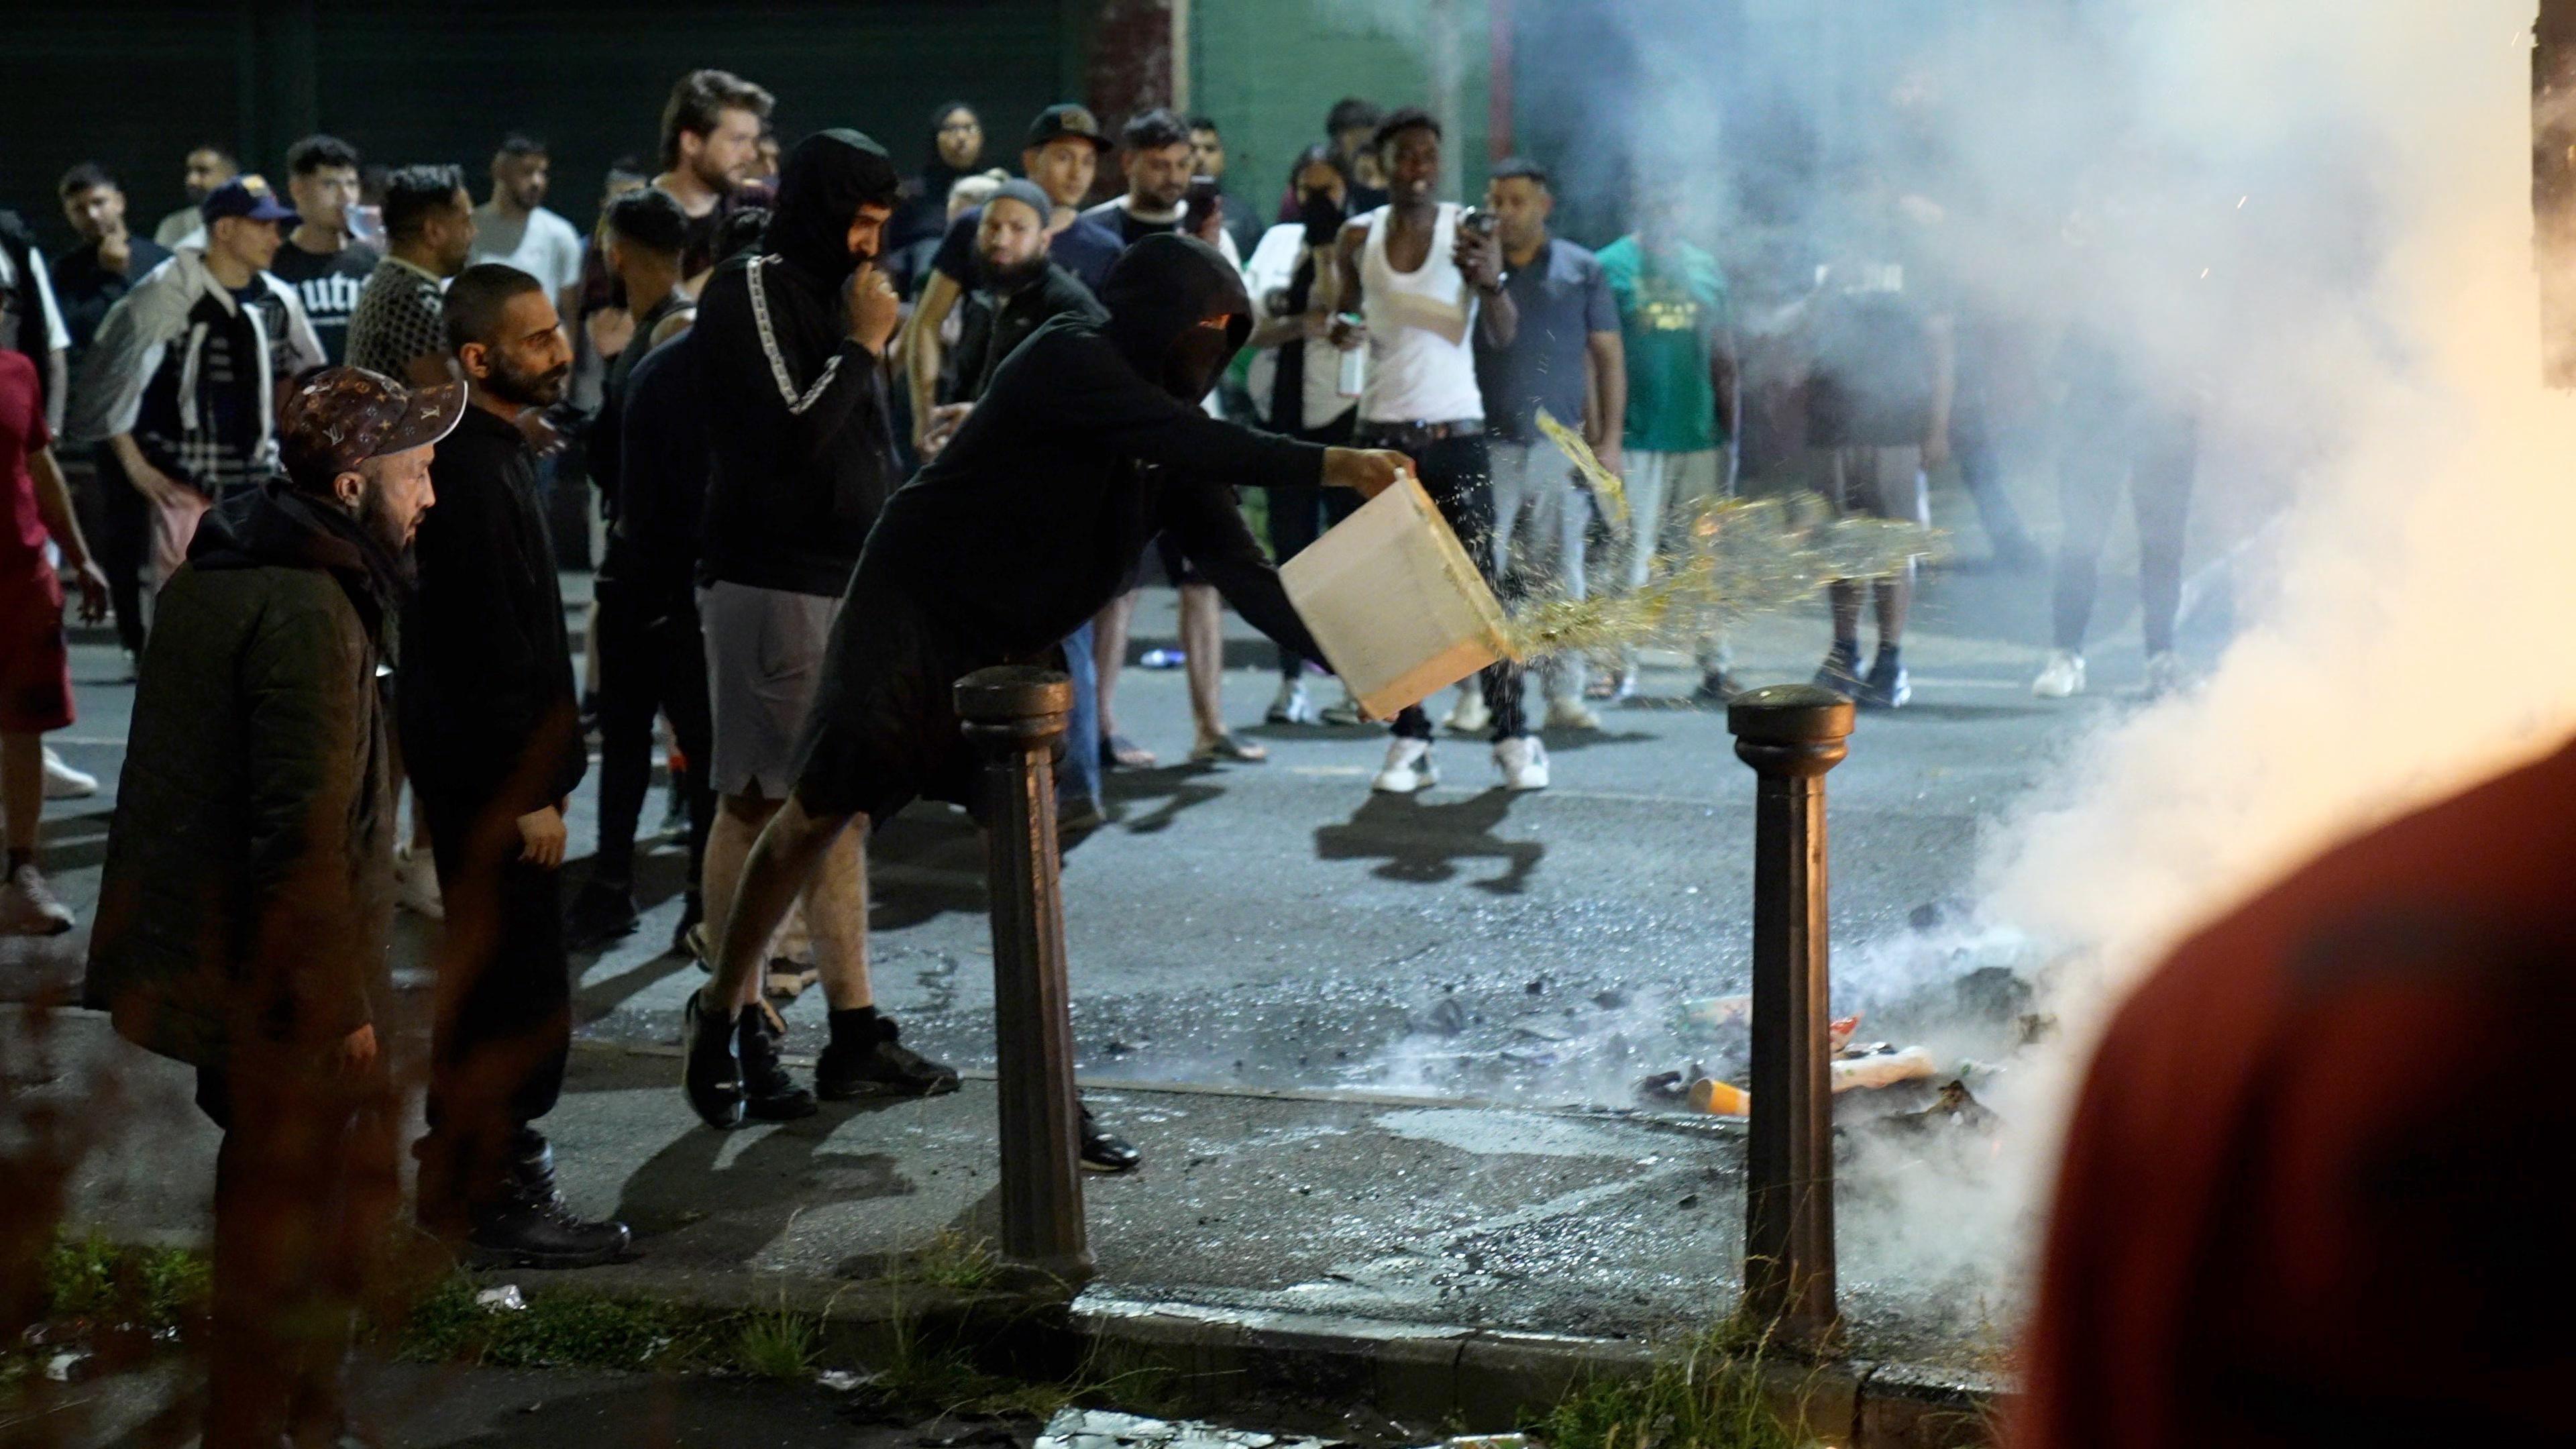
<point>1737,558</point>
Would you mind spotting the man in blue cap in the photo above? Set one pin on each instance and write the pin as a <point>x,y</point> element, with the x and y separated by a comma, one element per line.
<point>181,380</point>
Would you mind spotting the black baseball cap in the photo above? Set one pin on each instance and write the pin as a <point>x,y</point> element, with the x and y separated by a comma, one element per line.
<point>1057,122</point>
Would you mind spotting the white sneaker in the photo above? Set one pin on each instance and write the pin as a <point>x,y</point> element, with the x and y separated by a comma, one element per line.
<point>1292,707</point>
<point>1523,761</point>
<point>2164,673</point>
<point>28,907</point>
<point>2061,677</point>
<point>416,884</point>
<point>62,782</point>
<point>1408,768</point>
<point>1571,714</point>
<point>1469,715</point>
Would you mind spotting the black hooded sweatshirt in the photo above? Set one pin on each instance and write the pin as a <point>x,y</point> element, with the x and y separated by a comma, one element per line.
<point>802,445</point>
<point>1037,512</point>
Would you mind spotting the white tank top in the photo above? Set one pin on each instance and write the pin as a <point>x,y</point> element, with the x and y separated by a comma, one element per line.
<point>1422,361</point>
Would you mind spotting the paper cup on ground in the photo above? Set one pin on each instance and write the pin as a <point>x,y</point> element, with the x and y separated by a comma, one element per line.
<point>1397,605</point>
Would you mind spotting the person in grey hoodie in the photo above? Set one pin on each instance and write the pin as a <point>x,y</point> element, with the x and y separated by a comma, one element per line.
<point>181,381</point>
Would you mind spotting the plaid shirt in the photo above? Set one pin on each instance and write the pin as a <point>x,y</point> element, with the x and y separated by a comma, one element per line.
<point>399,316</point>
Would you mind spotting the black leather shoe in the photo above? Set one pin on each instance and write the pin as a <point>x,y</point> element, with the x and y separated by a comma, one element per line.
<point>600,916</point>
<point>1888,685</point>
<point>710,1076</point>
<point>882,1068</point>
<point>534,1232</point>
<point>768,1093</point>
<point>1104,1151</point>
<point>532,1226</point>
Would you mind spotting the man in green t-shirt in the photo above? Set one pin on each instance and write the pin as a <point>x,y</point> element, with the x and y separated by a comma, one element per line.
<point>1681,403</point>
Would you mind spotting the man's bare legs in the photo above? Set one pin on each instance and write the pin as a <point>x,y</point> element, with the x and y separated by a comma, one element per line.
<point>1109,655</point>
<point>773,860</point>
<point>1203,659</point>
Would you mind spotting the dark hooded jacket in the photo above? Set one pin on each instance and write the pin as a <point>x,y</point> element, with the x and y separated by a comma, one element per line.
<point>923,216</point>
<point>1037,512</point>
<point>248,894</point>
<point>801,443</point>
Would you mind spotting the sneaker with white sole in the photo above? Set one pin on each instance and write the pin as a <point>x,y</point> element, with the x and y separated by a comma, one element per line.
<point>1469,716</point>
<point>28,906</point>
<point>416,884</point>
<point>2062,677</point>
<point>1407,769</point>
<point>2164,673</point>
<point>1292,707</point>
<point>1571,714</point>
<point>62,782</point>
<point>1344,711</point>
<point>1523,761</point>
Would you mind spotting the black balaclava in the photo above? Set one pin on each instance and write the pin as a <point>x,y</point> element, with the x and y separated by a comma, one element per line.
<point>1158,293</point>
<point>827,178</point>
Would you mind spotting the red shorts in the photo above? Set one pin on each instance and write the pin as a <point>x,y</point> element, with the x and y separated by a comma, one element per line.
<point>35,663</point>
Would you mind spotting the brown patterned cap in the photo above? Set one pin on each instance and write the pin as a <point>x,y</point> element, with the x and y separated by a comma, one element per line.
<point>342,416</point>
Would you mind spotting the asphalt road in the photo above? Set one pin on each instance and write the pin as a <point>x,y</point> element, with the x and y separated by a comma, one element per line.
<point>1277,925</point>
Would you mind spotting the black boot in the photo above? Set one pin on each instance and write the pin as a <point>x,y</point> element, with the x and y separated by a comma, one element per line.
<point>867,1058</point>
<point>531,1226</point>
<point>710,1076</point>
<point>602,914</point>
<point>768,1093</point>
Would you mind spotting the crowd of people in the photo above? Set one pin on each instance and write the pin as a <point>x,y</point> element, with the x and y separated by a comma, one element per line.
<point>854,434</point>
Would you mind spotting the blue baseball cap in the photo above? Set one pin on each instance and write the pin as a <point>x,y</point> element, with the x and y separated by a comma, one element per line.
<point>247,195</point>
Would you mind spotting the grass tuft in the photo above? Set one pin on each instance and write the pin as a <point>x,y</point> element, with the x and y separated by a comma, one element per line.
<point>1709,1395</point>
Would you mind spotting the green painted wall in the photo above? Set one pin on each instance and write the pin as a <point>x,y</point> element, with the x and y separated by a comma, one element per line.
<point>1268,70</point>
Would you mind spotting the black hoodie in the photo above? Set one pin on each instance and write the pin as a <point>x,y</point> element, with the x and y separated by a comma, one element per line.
<point>1037,512</point>
<point>802,446</point>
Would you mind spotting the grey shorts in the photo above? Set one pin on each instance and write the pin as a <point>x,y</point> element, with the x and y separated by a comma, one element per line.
<point>764,661</point>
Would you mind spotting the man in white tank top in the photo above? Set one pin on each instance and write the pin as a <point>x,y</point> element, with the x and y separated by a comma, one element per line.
<point>1425,288</point>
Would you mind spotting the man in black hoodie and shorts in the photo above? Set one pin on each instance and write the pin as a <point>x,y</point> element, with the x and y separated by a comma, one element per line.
<point>790,336</point>
<point>1088,442</point>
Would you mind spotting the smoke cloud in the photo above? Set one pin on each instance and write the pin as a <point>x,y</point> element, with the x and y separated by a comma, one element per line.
<point>2309,224</point>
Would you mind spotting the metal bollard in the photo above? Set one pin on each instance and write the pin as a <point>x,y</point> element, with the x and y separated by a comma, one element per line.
<point>1014,714</point>
<point>1791,734</point>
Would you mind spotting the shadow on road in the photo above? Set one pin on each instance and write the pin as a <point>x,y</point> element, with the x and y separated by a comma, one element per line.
<point>1423,844</point>
<point>688,1210</point>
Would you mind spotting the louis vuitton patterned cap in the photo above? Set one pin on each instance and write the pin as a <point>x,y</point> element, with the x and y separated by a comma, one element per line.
<point>342,416</point>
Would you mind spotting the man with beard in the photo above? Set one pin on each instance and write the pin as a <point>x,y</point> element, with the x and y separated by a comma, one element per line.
<point>89,280</point>
<point>1022,289</point>
<point>971,564</point>
<point>491,738</point>
<point>208,167</point>
<point>247,902</point>
<point>790,343</point>
<point>398,327</point>
<point>710,141</point>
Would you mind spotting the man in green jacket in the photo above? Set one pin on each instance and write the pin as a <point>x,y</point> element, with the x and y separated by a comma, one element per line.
<point>248,895</point>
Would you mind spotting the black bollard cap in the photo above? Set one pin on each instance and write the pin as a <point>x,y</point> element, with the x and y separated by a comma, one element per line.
<point>1790,714</point>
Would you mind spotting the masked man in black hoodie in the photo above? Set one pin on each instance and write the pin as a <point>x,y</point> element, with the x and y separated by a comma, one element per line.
<point>248,898</point>
<point>790,340</point>
<point>1088,442</point>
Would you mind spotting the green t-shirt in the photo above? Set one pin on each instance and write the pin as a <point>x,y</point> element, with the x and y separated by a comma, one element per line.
<point>1669,308</point>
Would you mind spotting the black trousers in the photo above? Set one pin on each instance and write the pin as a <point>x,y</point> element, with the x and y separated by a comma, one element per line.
<point>501,1036</point>
<point>652,660</point>
<point>1299,516</point>
<point>124,538</point>
<point>305,1189</point>
<point>1459,476</point>
<point>2113,438</point>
